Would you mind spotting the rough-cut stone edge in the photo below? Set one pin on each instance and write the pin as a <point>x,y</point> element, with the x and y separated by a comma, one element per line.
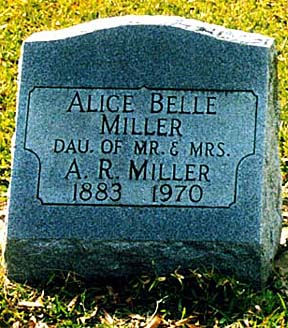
<point>93,260</point>
<point>271,191</point>
<point>212,30</point>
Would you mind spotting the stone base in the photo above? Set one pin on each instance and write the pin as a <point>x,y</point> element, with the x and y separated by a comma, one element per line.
<point>34,261</point>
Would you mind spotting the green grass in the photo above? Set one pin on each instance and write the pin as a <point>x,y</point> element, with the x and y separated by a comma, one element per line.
<point>193,299</point>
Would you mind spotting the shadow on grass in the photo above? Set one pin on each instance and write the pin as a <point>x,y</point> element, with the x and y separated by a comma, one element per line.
<point>184,298</point>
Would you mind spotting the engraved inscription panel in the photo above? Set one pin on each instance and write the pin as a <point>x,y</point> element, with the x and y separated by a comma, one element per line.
<point>139,147</point>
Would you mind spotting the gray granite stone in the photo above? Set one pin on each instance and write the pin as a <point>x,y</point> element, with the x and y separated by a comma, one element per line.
<point>145,143</point>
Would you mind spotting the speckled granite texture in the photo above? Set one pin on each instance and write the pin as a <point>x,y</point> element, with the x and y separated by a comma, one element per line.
<point>145,143</point>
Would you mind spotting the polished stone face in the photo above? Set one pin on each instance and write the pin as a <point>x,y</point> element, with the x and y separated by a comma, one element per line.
<point>152,136</point>
<point>140,147</point>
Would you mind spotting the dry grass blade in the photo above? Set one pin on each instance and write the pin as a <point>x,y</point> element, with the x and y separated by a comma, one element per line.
<point>108,320</point>
<point>72,303</point>
<point>186,321</point>
<point>154,322</point>
<point>34,324</point>
<point>30,304</point>
<point>82,320</point>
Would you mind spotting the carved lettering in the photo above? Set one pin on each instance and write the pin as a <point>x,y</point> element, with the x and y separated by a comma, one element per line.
<point>112,103</point>
<point>139,146</point>
<point>172,104</point>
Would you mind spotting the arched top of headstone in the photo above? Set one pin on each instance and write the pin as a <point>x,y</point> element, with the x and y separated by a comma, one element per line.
<point>191,25</point>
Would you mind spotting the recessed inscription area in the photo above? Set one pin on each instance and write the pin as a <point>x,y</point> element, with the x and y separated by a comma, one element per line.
<point>139,147</point>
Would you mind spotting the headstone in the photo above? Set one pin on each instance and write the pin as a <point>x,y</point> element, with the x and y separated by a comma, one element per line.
<point>145,143</point>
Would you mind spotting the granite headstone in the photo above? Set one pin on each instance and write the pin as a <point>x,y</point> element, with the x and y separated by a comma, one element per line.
<point>145,143</point>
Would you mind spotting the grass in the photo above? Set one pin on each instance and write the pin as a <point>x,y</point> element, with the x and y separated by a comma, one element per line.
<point>189,299</point>
<point>192,299</point>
